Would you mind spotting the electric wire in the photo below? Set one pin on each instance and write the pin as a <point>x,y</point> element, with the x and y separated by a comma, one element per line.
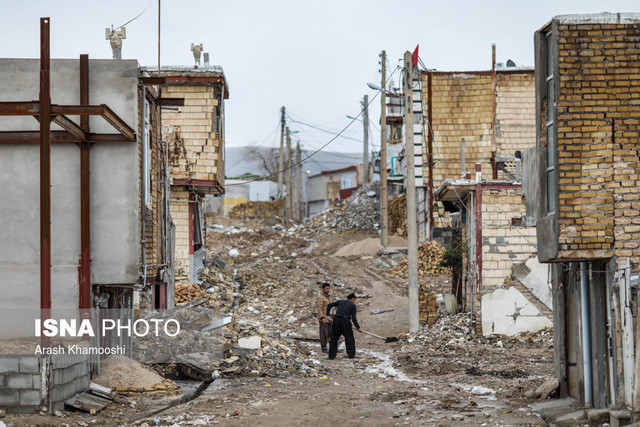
<point>131,20</point>
<point>294,164</point>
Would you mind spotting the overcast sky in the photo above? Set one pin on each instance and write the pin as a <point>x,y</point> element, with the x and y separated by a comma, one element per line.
<point>314,57</point>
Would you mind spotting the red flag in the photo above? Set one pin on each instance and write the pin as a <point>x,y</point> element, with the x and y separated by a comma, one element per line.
<point>414,57</point>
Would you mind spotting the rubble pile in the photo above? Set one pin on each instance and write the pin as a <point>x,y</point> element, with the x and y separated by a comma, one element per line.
<point>271,208</point>
<point>429,259</point>
<point>397,208</point>
<point>360,211</point>
<point>188,292</point>
<point>194,337</point>
<point>254,352</point>
<point>458,329</point>
<point>232,245</point>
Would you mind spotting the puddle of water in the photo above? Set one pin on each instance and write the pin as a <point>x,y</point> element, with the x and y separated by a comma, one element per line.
<point>385,368</point>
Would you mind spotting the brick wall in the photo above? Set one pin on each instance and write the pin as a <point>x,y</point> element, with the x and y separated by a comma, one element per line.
<point>598,137</point>
<point>428,312</point>
<point>515,113</point>
<point>153,210</point>
<point>180,215</point>
<point>461,107</point>
<point>503,245</point>
<point>195,149</point>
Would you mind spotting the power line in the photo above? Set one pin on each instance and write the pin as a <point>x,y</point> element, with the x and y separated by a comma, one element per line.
<point>131,20</point>
<point>339,134</point>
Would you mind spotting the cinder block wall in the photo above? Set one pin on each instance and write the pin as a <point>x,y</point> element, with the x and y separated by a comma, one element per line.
<point>503,245</point>
<point>20,381</point>
<point>598,140</point>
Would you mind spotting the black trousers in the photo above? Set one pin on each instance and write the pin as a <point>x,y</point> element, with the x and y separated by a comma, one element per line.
<point>342,326</point>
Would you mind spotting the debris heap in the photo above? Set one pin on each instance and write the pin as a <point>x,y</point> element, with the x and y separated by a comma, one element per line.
<point>429,258</point>
<point>397,208</point>
<point>271,208</point>
<point>360,211</point>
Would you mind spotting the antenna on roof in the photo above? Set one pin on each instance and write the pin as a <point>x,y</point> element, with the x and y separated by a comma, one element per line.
<point>115,37</point>
<point>197,50</point>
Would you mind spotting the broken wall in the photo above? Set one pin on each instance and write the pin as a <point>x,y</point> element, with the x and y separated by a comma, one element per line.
<point>503,245</point>
<point>196,149</point>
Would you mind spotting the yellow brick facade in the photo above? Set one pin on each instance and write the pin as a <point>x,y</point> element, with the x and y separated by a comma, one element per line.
<point>195,145</point>
<point>503,245</point>
<point>180,216</point>
<point>462,107</point>
<point>598,138</point>
<point>195,139</point>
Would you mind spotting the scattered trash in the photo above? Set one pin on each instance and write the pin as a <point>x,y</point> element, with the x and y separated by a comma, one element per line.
<point>380,311</point>
<point>233,252</point>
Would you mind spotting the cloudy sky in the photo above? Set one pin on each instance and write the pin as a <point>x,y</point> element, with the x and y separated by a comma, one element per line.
<point>314,57</point>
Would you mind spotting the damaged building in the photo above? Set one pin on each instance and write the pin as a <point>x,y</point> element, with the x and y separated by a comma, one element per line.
<point>581,191</point>
<point>194,132</point>
<point>474,125</point>
<point>92,227</point>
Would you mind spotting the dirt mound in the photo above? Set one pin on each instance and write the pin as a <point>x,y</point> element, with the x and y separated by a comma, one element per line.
<point>371,245</point>
<point>120,371</point>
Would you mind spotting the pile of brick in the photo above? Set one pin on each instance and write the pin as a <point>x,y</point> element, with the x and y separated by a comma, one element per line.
<point>429,259</point>
<point>271,208</point>
<point>397,211</point>
<point>428,311</point>
<point>188,292</point>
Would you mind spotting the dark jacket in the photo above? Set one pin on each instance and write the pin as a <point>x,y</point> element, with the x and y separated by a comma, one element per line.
<point>346,310</point>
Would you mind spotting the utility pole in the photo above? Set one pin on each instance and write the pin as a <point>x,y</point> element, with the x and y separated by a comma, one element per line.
<point>384,211</point>
<point>410,175</point>
<point>281,162</point>
<point>289,199</point>
<point>299,213</point>
<point>365,154</point>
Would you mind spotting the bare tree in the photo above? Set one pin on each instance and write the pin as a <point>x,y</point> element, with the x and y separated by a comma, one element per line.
<point>267,158</point>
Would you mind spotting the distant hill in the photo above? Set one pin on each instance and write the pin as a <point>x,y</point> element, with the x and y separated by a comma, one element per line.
<point>237,163</point>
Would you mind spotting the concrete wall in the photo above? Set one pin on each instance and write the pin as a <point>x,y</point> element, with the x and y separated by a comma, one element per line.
<point>114,189</point>
<point>20,381</point>
<point>508,312</point>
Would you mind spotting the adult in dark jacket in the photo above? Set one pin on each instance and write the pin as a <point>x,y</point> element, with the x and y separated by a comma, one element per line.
<point>345,314</point>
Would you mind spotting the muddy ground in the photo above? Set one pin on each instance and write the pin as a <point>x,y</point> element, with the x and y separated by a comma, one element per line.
<point>443,375</point>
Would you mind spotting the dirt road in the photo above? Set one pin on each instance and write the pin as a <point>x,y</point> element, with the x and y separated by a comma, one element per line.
<point>443,375</point>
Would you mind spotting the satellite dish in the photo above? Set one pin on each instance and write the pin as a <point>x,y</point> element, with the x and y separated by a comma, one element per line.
<point>510,63</point>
